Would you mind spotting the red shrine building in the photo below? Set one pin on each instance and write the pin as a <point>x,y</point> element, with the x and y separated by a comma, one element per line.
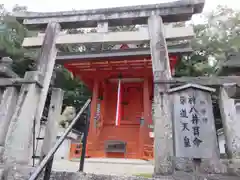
<point>122,92</point>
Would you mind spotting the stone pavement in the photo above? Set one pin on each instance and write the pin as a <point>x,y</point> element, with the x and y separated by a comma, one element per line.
<point>107,166</point>
<point>125,167</point>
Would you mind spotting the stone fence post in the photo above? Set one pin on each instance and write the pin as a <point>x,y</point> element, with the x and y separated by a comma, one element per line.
<point>31,102</point>
<point>230,113</point>
<point>8,100</point>
<point>52,122</point>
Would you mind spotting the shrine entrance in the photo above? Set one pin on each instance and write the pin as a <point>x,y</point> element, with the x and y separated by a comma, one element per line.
<point>118,141</point>
<point>122,140</point>
<point>131,138</point>
<point>132,102</point>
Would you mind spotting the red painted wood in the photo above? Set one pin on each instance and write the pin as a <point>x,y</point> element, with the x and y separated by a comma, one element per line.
<point>136,103</point>
<point>129,130</point>
<point>92,128</point>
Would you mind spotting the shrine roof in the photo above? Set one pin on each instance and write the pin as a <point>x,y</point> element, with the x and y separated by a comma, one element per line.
<point>194,86</point>
<point>119,54</point>
<point>181,10</point>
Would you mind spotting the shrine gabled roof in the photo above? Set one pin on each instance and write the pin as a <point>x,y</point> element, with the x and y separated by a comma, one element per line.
<point>194,86</point>
<point>181,10</point>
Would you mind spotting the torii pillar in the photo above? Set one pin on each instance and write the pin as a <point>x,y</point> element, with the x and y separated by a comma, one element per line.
<point>163,142</point>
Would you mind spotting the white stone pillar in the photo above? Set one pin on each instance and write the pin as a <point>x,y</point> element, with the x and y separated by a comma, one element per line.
<point>7,108</point>
<point>19,136</point>
<point>52,126</point>
<point>163,142</point>
<point>231,124</point>
<point>230,113</point>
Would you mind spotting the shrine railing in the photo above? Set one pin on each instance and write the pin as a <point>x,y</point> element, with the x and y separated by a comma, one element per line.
<point>148,152</point>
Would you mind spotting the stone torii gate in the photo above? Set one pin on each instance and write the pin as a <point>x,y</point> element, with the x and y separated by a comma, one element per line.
<point>17,148</point>
<point>156,33</point>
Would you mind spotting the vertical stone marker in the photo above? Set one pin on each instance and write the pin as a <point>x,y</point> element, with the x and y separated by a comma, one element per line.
<point>230,113</point>
<point>52,126</point>
<point>193,122</point>
<point>8,101</point>
<point>163,145</point>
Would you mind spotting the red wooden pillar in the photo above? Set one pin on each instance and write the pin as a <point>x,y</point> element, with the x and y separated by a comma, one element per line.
<point>105,91</point>
<point>102,107</point>
<point>146,103</point>
<point>143,132</point>
<point>92,127</point>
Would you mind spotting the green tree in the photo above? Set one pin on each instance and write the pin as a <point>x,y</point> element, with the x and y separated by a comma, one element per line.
<point>215,39</point>
<point>76,93</point>
<point>12,34</point>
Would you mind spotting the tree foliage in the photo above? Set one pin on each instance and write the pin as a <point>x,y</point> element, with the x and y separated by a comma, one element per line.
<point>215,39</point>
<point>12,34</point>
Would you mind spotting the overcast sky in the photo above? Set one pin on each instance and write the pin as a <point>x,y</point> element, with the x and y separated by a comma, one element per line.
<point>63,5</point>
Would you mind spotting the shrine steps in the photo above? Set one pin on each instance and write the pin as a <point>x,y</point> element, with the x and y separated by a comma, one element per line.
<point>128,134</point>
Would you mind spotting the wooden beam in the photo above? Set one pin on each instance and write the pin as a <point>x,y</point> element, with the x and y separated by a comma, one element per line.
<point>126,80</point>
<point>112,37</point>
<point>118,54</point>
<point>108,63</point>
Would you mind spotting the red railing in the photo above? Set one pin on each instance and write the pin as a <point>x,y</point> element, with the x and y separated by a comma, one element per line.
<point>148,152</point>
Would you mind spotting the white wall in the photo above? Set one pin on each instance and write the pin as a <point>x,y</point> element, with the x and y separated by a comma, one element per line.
<point>221,141</point>
<point>64,150</point>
